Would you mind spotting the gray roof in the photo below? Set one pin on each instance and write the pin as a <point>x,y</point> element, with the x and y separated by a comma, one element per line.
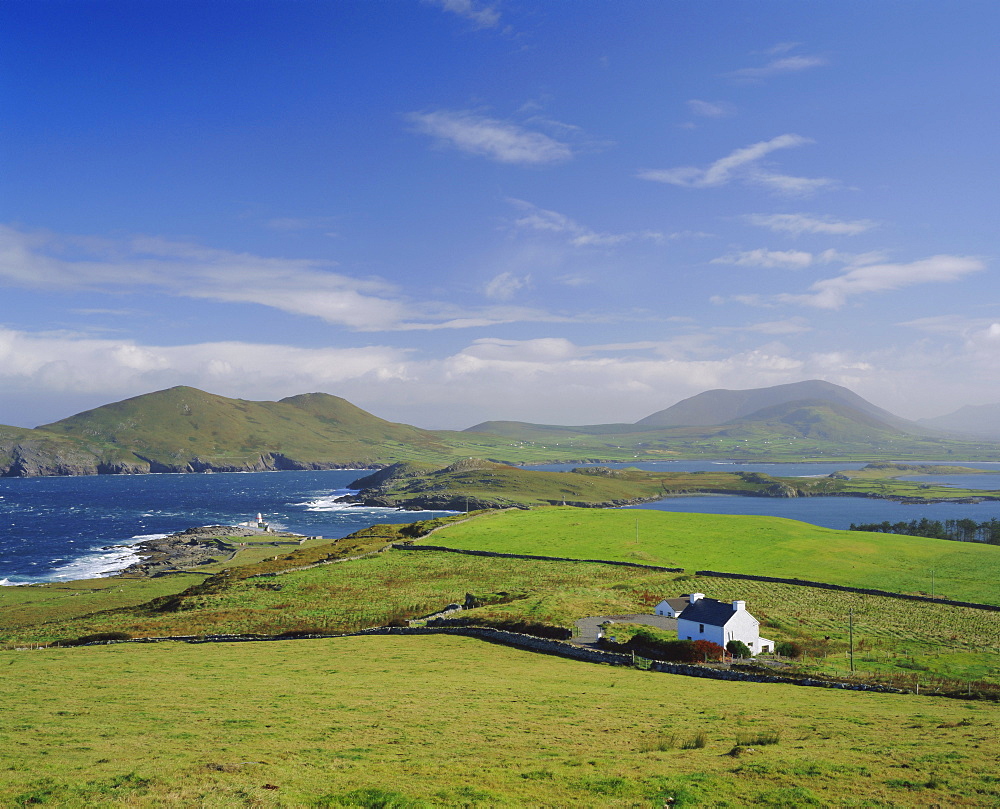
<point>708,611</point>
<point>677,604</point>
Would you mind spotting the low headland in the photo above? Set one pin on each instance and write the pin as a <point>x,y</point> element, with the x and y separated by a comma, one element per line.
<point>474,483</point>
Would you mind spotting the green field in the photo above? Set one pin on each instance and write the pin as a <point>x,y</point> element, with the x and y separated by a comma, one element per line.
<point>769,546</point>
<point>893,638</point>
<point>347,722</point>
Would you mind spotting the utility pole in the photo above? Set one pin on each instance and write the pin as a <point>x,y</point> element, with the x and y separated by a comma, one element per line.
<point>851,630</point>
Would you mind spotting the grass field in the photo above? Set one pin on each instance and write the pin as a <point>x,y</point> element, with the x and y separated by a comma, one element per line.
<point>415,721</point>
<point>891,636</point>
<point>769,546</point>
<point>63,601</point>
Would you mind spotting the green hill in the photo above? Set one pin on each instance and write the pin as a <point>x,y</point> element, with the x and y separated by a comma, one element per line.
<point>183,429</point>
<point>720,406</point>
<point>770,546</point>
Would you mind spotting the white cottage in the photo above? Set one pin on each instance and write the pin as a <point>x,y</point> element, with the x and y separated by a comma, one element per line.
<point>671,607</point>
<point>720,622</point>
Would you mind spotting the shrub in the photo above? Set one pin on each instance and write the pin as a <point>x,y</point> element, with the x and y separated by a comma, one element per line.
<point>738,648</point>
<point>706,650</point>
<point>787,648</point>
<point>672,651</point>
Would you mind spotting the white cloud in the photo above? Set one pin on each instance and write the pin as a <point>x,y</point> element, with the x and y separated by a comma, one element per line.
<point>793,325</point>
<point>833,293</point>
<point>711,109</point>
<point>504,286</point>
<point>778,67</point>
<point>798,223</point>
<point>497,140</point>
<point>54,363</point>
<point>544,221</point>
<point>547,380</point>
<point>482,14</point>
<point>789,259</point>
<point>299,223</point>
<point>180,269</point>
<point>742,164</point>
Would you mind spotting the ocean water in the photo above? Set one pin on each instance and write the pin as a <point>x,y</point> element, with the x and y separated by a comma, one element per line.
<point>59,529</point>
<point>63,528</point>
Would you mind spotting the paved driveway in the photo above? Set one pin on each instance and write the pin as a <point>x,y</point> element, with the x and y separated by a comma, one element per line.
<point>587,628</point>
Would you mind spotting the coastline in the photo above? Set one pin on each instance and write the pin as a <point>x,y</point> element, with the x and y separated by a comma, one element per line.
<point>195,547</point>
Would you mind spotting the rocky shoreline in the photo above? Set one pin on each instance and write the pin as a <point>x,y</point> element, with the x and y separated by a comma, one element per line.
<point>203,545</point>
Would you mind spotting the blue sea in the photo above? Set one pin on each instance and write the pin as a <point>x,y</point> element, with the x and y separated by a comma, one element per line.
<point>59,529</point>
<point>64,528</point>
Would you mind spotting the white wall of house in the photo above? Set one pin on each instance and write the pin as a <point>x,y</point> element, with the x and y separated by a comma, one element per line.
<point>692,630</point>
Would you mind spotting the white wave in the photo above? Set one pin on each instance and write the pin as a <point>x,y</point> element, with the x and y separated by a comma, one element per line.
<point>102,562</point>
<point>8,583</point>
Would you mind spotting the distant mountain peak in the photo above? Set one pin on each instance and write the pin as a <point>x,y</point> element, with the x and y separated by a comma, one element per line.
<point>722,406</point>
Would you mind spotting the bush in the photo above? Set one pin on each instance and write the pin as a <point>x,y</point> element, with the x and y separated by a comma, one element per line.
<point>787,648</point>
<point>738,648</point>
<point>706,650</point>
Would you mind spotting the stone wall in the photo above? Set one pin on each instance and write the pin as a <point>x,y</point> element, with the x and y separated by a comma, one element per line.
<point>533,644</point>
<point>846,589</point>
<point>403,546</point>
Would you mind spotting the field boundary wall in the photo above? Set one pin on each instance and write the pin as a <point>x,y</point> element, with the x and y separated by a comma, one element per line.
<point>947,602</point>
<point>402,546</point>
<point>847,589</point>
<point>558,648</point>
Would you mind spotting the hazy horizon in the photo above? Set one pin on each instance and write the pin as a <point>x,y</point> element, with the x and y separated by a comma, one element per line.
<point>454,211</point>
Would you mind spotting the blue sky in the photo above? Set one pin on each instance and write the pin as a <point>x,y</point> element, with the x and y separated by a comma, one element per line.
<point>449,211</point>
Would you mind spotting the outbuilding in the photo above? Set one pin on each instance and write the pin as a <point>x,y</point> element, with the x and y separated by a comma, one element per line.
<point>671,607</point>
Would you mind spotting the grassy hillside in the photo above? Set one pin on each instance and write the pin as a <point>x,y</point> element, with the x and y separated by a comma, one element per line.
<point>183,426</point>
<point>740,544</point>
<point>346,722</point>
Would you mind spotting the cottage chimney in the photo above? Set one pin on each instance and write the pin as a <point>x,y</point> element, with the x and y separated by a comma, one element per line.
<point>739,605</point>
<point>695,597</point>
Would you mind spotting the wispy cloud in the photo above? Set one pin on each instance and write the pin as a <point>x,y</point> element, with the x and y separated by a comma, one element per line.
<point>181,269</point>
<point>545,221</point>
<point>482,15</point>
<point>498,140</point>
<point>300,223</point>
<point>744,165</point>
<point>833,293</point>
<point>504,286</point>
<point>711,109</point>
<point>799,223</point>
<point>778,67</point>
<point>768,259</point>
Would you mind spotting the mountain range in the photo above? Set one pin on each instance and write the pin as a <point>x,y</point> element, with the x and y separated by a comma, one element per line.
<point>184,429</point>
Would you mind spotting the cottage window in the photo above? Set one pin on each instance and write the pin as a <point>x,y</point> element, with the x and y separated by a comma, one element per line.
<point>701,628</point>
